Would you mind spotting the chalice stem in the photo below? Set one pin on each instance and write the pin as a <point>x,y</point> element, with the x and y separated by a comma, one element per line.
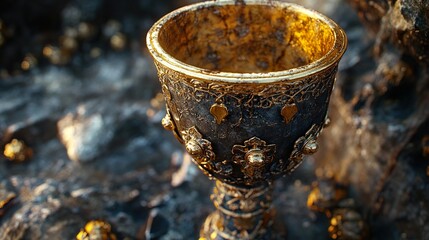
<point>241,213</point>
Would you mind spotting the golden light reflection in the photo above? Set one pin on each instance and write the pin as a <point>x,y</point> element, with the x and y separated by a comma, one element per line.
<point>17,151</point>
<point>96,229</point>
<point>29,62</point>
<point>266,39</point>
<point>5,200</point>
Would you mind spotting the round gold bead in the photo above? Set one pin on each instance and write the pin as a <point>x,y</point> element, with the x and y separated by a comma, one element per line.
<point>96,229</point>
<point>311,147</point>
<point>193,148</point>
<point>255,157</point>
<point>118,41</point>
<point>17,151</point>
<point>29,62</point>
<point>167,123</point>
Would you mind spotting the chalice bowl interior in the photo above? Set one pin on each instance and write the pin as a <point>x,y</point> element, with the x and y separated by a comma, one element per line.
<point>247,86</point>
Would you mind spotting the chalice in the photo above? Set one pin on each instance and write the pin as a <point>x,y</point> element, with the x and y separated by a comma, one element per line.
<point>247,86</point>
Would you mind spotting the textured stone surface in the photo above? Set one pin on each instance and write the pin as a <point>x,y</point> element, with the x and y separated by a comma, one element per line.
<point>374,144</point>
<point>403,23</point>
<point>85,136</point>
<point>380,115</point>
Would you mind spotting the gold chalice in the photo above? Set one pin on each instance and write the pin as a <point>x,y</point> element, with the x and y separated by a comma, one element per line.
<point>247,86</point>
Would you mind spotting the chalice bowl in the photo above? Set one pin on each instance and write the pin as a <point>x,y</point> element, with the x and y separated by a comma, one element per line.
<point>247,86</point>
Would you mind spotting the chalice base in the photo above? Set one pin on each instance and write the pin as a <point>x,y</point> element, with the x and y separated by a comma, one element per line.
<point>242,213</point>
<point>213,229</point>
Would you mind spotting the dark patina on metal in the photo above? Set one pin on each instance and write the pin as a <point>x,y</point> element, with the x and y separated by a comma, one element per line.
<point>247,88</point>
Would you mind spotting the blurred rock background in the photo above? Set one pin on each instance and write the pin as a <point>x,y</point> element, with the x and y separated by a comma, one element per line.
<point>81,140</point>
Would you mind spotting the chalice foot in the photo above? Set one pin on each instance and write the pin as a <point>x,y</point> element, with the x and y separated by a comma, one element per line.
<point>241,213</point>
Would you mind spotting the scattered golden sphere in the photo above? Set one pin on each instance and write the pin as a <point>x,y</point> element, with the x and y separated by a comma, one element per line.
<point>96,230</point>
<point>17,151</point>
<point>55,55</point>
<point>85,30</point>
<point>48,50</point>
<point>118,41</point>
<point>347,224</point>
<point>29,62</point>
<point>68,43</point>
<point>5,199</point>
<point>325,195</point>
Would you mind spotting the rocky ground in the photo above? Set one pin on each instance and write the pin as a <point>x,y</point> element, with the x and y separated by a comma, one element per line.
<point>78,88</point>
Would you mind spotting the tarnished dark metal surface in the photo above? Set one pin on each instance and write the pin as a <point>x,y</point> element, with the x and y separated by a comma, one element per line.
<point>222,118</point>
<point>247,88</point>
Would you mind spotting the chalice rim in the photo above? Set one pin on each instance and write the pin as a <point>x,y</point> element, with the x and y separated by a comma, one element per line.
<point>331,58</point>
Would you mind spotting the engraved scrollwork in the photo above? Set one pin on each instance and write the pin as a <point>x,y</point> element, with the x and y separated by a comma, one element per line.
<point>242,212</point>
<point>223,168</point>
<point>250,95</point>
<point>304,145</point>
<point>253,157</point>
<point>202,153</point>
<point>226,101</point>
<point>249,202</point>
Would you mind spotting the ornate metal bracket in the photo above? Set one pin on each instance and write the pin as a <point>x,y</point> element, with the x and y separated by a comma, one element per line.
<point>306,144</point>
<point>253,157</point>
<point>199,148</point>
